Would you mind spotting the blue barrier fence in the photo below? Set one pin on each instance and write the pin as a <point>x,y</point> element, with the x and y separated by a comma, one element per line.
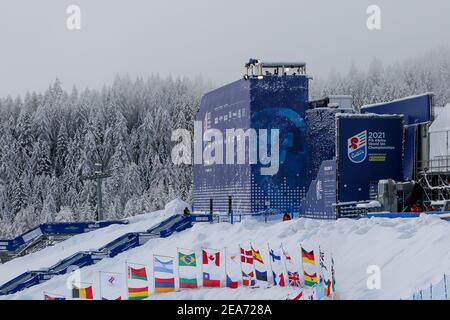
<point>393,215</point>
<point>54,229</point>
<point>439,291</point>
<point>125,242</point>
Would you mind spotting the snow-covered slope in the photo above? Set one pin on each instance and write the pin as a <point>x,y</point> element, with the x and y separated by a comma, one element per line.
<point>84,242</point>
<point>411,254</point>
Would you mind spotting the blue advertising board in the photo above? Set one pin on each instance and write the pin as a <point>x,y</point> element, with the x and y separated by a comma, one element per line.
<point>369,149</point>
<point>269,103</point>
<point>415,109</point>
<point>320,201</point>
<point>409,152</point>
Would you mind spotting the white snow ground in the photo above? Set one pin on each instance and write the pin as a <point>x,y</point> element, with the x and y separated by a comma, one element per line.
<point>93,240</point>
<point>411,254</point>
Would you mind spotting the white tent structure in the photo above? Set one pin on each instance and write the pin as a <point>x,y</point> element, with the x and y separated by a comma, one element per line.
<point>440,140</point>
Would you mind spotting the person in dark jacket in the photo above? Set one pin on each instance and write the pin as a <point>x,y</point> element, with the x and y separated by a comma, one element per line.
<point>286,217</point>
<point>186,212</point>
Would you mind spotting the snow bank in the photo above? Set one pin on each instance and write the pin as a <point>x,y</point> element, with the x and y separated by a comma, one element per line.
<point>411,254</point>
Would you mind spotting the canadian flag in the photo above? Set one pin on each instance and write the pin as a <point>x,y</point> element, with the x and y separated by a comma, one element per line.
<point>211,257</point>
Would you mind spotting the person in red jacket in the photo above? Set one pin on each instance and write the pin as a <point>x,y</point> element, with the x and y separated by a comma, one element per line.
<point>286,217</point>
<point>415,208</point>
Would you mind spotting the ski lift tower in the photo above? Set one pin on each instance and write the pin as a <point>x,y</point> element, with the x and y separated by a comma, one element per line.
<point>98,175</point>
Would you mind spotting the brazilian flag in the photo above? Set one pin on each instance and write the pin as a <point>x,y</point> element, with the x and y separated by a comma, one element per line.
<point>187,260</point>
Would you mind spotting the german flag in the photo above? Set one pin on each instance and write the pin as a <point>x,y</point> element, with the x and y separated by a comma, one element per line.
<point>308,256</point>
<point>137,293</point>
<point>310,279</point>
<point>82,293</point>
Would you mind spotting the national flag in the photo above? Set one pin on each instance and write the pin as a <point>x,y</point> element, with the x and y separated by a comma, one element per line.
<point>248,279</point>
<point>111,285</point>
<point>257,256</point>
<point>48,296</point>
<point>188,283</point>
<point>277,268</point>
<point>310,279</point>
<point>308,256</point>
<point>320,290</point>
<point>162,266</point>
<point>261,275</point>
<point>232,284</point>
<point>210,283</point>
<point>286,255</point>
<point>327,289</point>
<point>333,281</point>
<point>274,256</point>
<point>119,298</point>
<point>322,259</point>
<point>231,275</point>
<point>211,258</point>
<point>246,256</point>
<point>278,279</point>
<point>82,293</point>
<point>297,297</point>
<point>137,293</point>
<point>187,270</point>
<point>164,285</point>
<point>137,273</point>
<point>187,260</point>
<point>294,279</point>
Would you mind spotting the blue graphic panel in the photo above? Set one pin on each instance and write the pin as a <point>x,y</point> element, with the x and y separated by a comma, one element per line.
<point>321,137</point>
<point>409,153</point>
<point>272,103</point>
<point>225,108</point>
<point>369,149</point>
<point>320,200</point>
<point>415,109</point>
<point>280,103</point>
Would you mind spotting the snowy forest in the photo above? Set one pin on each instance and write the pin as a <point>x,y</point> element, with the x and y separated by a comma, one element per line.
<point>49,140</point>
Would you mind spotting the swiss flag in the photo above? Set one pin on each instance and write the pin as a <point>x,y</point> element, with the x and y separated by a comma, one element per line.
<point>211,258</point>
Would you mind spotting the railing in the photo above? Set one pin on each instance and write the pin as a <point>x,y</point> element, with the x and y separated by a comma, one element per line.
<point>437,164</point>
<point>127,241</point>
<point>439,291</point>
<point>53,229</point>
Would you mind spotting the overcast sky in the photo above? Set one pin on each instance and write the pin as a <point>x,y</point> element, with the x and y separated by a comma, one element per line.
<point>209,37</point>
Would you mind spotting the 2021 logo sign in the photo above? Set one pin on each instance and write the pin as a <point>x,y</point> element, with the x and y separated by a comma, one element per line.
<point>357,147</point>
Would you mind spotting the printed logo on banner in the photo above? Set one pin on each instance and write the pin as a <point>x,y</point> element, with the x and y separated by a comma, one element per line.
<point>357,147</point>
<point>319,190</point>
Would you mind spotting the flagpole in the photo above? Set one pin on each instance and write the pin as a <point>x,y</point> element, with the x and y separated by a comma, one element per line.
<point>201,269</point>
<point>126,278</point>
<point>178,266</point>
<point>153,274</point>
<point>270,263</point>
<point>302,265</point>
<point>225,266</point>
<point>254,268</point>
<point>242,270</point>
<point>100,284</point>
<point>285,265</point>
